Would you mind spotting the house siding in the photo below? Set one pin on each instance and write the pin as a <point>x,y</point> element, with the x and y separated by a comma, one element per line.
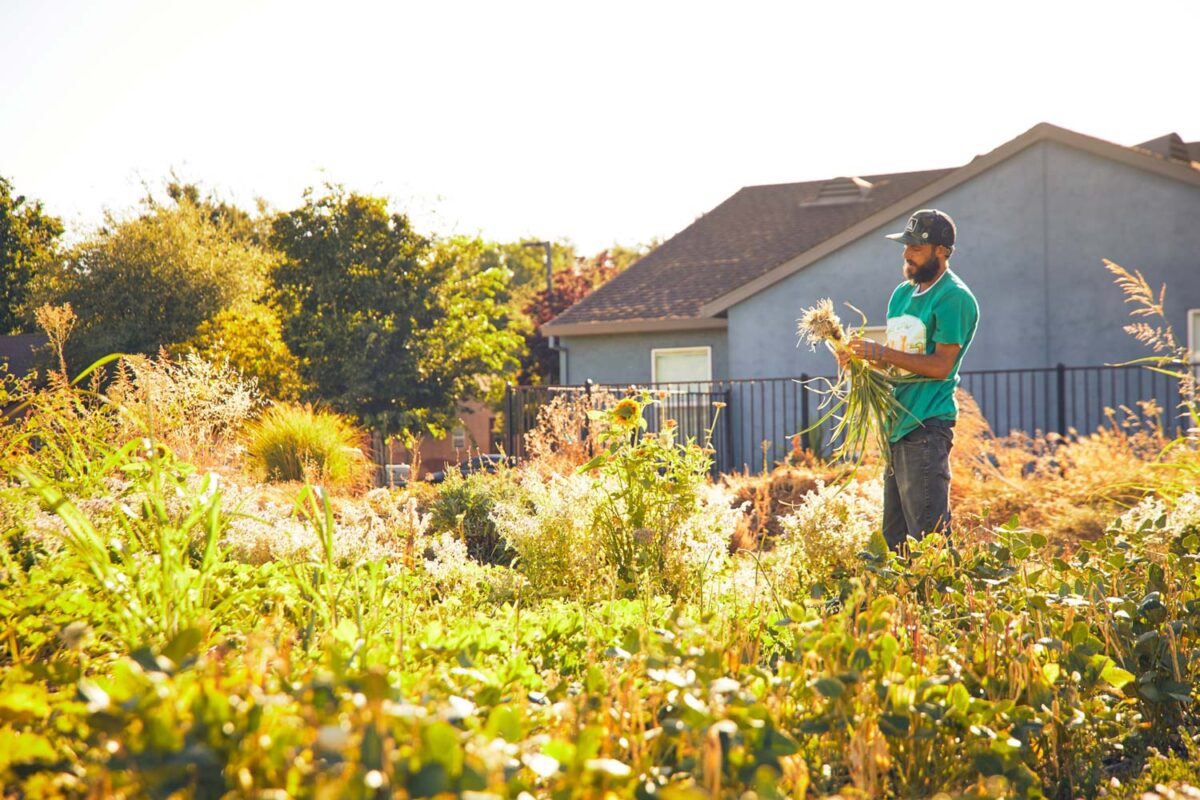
<point>1032,231</point>
<point>625,358</point>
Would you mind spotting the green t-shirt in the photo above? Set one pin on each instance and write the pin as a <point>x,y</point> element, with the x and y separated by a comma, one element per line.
<point>945,313</point>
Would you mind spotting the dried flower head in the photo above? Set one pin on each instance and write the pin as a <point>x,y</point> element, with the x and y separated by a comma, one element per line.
<point>819,324</point>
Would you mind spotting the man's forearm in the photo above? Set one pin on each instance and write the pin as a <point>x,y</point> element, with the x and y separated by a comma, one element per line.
<point>932,365</point>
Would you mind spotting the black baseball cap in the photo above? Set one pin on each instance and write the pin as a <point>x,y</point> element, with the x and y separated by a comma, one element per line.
<point>927,226</point>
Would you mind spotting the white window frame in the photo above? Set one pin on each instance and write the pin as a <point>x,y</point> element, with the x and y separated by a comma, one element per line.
<point>1193,323</point>
<point>656,351</point>
<point>454,436</point>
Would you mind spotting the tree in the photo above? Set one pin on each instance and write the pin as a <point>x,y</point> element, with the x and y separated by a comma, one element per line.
<point>28,237</point>
<point>390,326</point>
<point>250,338</point>
<point>569,287</point>
<point>151,281</point>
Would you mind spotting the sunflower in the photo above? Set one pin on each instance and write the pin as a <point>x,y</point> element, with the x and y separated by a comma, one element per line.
<point>627,411</point>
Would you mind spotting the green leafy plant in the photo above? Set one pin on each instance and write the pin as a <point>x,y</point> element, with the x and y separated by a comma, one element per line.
<point>649,483</point>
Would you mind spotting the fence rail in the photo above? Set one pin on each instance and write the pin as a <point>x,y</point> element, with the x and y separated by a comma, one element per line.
<point>762,416</point>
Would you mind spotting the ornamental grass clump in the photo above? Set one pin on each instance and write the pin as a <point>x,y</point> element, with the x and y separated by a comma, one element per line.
<point>300,443</point>
<point>860,400</point>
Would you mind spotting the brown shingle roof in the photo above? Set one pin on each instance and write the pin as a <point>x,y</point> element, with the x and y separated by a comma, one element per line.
<point>754,231</point>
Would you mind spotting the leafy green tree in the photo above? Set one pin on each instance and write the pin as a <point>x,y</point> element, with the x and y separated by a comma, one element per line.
<point>28,236</point>
<point>150,281</point>
<point>250,338</point>
<point>389,326</point>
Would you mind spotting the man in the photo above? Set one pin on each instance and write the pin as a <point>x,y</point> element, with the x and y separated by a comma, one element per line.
<point>931,320</point>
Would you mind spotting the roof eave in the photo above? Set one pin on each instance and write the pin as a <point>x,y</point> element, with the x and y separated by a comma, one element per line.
<point>1041,132</point>
<point>633,326</point>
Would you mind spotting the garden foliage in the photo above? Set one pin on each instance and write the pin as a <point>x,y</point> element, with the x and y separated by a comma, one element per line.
<point>172,633</point>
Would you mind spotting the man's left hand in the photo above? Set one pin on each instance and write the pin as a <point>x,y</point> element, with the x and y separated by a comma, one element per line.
<point>869,350</point>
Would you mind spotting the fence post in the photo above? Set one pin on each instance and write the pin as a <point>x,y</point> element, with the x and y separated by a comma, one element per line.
<point>1061,372</point>
<point>807,437</point>
<point>587,430</point>
<point>510,425</point>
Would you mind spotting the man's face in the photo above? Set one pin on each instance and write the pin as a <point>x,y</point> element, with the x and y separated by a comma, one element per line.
<point>921,262</point>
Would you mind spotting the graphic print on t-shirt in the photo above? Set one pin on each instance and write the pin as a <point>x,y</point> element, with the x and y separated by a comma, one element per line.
<point>907,334</point>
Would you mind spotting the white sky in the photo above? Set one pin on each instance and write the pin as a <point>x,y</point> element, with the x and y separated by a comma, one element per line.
<point>599,122</point>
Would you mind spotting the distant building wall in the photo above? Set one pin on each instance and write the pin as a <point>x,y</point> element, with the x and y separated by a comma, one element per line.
<point>437,454</point>
<point>625,358</point>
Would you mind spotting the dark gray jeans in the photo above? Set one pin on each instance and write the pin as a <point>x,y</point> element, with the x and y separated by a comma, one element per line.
<point>916,484</point>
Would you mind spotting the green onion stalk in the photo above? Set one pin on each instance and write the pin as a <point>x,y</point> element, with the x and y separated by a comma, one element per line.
<point>861,400</point>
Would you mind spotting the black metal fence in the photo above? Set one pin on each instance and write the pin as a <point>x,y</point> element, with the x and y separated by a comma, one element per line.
<point>760,418</point>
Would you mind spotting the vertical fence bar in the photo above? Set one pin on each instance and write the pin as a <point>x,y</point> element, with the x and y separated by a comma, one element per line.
<point>509,450</point>
<point>1061,375</point>
<point>804,423</point>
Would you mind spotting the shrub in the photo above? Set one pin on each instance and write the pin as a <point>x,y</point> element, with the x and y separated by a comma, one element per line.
<point>465,506</point>
<point>825,534</point>
<point>548,524</point>
<point>300,443</point>
<point>195,407</point>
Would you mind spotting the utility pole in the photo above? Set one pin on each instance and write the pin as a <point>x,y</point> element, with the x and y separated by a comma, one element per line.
<point>548,250</point>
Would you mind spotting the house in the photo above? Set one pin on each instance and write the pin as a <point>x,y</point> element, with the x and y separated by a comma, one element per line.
<point>1036,216</point>
<point>471,436</point>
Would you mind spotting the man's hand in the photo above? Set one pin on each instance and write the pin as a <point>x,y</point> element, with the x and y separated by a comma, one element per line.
<point>869,350</point>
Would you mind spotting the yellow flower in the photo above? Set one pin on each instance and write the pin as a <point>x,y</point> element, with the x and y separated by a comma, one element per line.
<point>627,411</point>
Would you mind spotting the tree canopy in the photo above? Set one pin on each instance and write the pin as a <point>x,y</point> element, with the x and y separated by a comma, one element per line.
<point>28,237</point>
<point>150,281</point>
<point>388,324</point>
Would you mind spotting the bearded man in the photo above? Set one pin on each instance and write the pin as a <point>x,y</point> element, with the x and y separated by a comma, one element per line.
<point>931,320</point>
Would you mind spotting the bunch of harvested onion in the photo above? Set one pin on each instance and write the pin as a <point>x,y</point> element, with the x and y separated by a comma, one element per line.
<point>860,401</point>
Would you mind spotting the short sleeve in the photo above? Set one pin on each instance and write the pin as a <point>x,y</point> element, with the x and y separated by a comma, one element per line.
<point>955,318</point>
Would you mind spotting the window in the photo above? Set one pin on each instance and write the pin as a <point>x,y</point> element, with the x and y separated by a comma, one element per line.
<point>688,371</point>
<point>458,438</point>
<point>683,365</point>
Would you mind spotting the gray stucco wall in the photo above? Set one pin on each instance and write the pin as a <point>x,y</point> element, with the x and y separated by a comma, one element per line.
<point>1032,233</point>
<point>625,358</point>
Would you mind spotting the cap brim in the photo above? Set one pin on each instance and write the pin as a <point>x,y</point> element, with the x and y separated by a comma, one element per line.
<point>904,238</point>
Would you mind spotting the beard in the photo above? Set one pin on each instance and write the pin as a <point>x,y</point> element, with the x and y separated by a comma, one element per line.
<point>922,273</point>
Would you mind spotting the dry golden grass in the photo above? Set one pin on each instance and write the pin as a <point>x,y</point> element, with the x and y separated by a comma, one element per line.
<point>563,437</point>
<point>1067,488</point>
